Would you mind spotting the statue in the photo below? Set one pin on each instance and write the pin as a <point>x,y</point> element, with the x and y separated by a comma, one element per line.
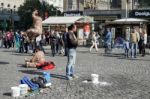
<point>32,33</point>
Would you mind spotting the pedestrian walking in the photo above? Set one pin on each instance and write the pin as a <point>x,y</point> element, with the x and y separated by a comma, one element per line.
<point>144,37</point>
<point>53,42</point>
<point>134,41</point>
<point>108,41</point>
<point>126,48</point>
<point>17,40</point>
<point>94,41</point>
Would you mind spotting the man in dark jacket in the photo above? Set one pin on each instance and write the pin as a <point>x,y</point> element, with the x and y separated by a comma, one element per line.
<point>72,45</point>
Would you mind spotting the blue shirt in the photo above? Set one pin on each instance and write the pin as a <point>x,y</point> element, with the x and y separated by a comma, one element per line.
<point>108,37</point>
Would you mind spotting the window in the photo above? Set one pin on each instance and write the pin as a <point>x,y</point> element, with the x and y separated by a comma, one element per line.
<point>8,5</point>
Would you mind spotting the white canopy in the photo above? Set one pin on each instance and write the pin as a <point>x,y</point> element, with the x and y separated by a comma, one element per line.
<point>66,20</point>
<point>127,21</point>
<point>130,20</point>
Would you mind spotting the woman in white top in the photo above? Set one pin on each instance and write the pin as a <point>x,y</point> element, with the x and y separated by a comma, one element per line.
<point>94,41</point>
<point>144,42</point>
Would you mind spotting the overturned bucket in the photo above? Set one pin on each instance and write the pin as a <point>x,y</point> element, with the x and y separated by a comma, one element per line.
<point>95,78</point>
<point>23,89</point>
<point>15,91</point>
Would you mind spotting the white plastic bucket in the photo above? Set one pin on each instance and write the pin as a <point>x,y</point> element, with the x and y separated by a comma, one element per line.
<point>23,89</point>
<point>15,91</point>
<point>95,79</point>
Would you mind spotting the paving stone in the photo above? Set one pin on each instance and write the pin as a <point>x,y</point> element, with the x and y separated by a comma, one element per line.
<point>128,78</point>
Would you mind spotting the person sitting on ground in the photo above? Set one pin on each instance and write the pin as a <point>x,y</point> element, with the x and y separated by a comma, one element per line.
<point>38,58</point>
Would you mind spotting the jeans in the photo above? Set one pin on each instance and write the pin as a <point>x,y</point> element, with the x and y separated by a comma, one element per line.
<point>1,43</point>
<point>143,49</point>
<point>108,48</point>
<point>53,48</point>
<point>126,52</point>
<point>71,62</point>
<point>133,49</point>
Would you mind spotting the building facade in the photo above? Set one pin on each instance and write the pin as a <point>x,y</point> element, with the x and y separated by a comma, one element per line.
<point>8,15</point>
<point>56,3</point>
<point>107,10</point>
<point>102,10</point>
<point>11,3</point>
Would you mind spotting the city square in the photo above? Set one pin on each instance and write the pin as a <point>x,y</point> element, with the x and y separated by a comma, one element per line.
<point>126,78</point>
<point>74,49</point>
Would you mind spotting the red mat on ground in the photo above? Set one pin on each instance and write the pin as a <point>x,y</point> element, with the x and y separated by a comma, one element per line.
<point>46,65</point>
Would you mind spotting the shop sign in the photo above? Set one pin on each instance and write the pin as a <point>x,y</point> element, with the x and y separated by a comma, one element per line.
<point>140,13</point>
<point>73,13</point>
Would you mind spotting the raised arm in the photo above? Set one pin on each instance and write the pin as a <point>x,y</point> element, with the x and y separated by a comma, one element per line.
<point>34,13</point>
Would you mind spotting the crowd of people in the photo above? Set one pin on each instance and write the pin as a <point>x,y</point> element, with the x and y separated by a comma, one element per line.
<point>65,43</point>
<point>133,43</point>
<point>137,40</point>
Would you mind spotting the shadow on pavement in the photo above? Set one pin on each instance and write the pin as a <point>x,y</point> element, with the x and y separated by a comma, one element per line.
<point>4,62</point>
<point>135,59</point>
<point>33,72</point>
<point>7,94</point>
<point>22,54</point>
<point>7,50</point>
<point>83,51</point>
<point>59,76</point>
<point>21,65</point>
<point>37,72</point>
<point>113,55</point>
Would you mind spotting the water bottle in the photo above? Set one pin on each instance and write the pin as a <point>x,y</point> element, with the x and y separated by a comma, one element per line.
<point>47,76</point>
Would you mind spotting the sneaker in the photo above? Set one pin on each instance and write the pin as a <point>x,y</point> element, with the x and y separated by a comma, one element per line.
<point>69,78</point>
<point>75,76</point>
<point>27,64</point>
<point>90,51</point>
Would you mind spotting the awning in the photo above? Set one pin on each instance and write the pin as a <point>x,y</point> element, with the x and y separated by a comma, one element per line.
<point>67,20</point>
<point>128,21</point>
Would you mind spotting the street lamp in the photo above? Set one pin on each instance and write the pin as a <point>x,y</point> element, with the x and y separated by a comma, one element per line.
<point>14,9</point>
<point>55,9</point>
<point>11,17</point>
<point>127,8</point>
<point>4,18</point>
<point>2,5</point>
<point>13,14</point>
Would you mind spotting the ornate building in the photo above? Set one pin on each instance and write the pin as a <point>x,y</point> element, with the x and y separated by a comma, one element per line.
<point>56,3</point>
<point>8,15</point>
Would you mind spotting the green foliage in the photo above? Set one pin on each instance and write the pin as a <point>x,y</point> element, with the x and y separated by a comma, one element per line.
<point>144,3</point>
<point>25,11</point>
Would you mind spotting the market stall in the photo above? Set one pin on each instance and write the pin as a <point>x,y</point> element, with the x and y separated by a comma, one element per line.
<point>122,27</point>
<point>60,23</point>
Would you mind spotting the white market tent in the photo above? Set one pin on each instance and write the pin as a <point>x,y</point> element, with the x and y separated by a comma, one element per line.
<point>128,21</point>
<point>67,20</point>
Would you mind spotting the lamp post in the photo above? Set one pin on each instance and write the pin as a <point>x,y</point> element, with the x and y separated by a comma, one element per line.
<point>126,8</point>
<point>56,10</point>
<point>4,19</point>
<point>2,5</point>
<point>9,11</point>
<point>42,8</point>
<point>13,14</point>
<point>14,9</point>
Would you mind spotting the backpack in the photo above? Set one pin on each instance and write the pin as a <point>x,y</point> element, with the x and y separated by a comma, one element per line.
<point>41,81</point>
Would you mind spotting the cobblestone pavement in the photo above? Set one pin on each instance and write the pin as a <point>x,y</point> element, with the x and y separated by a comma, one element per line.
<point>126,78</point>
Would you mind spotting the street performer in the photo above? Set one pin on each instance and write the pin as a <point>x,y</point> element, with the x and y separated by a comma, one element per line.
<point>32,33</point>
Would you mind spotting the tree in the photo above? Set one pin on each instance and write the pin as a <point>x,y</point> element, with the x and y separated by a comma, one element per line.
<point>25,11</point>
<point>144,3</point>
